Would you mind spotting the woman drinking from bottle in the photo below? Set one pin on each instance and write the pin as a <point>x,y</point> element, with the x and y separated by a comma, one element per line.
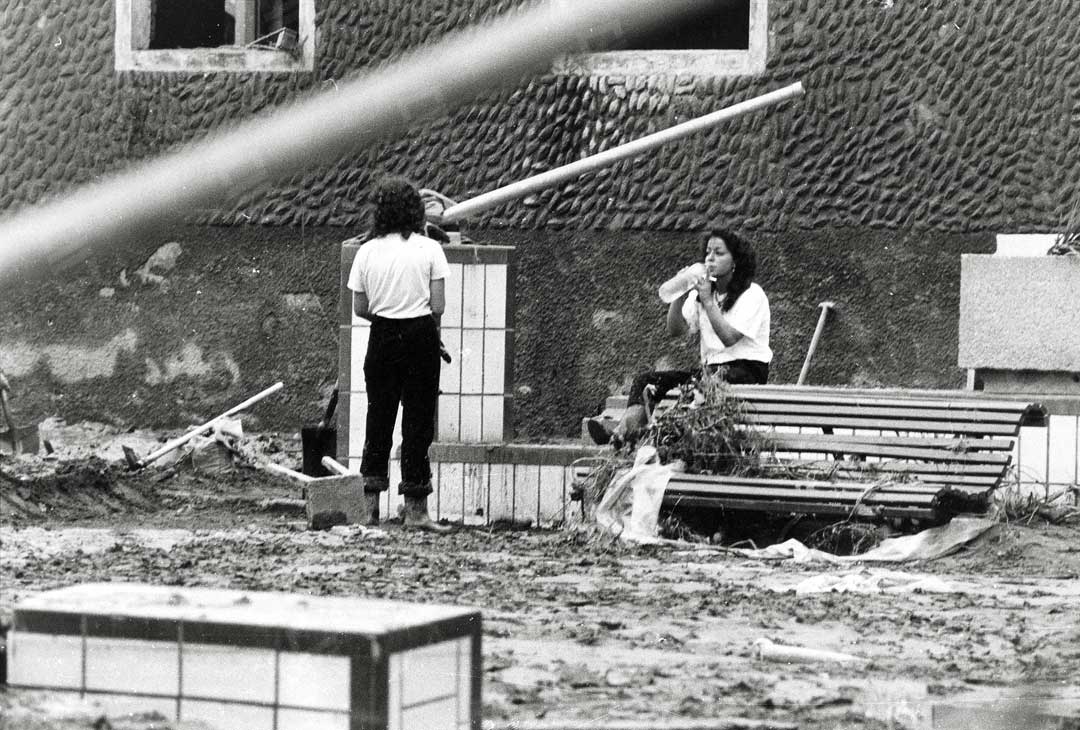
<point>728,312</point>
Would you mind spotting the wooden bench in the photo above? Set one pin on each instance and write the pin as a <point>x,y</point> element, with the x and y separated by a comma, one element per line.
<point>872,454</point>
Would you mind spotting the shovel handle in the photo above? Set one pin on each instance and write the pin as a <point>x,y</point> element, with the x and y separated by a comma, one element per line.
<point>330,408</point>
<point>7,413</point>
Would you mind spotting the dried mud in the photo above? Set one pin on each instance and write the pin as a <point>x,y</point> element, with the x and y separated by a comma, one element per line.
<point>576,627</point>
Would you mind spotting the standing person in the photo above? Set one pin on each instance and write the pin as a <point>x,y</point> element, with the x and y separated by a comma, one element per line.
<point>398,280</point>
<point>730,314</point>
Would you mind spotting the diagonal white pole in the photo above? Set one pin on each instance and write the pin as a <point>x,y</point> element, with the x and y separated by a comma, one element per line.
<point>319,131</point>
<point>547,179</point>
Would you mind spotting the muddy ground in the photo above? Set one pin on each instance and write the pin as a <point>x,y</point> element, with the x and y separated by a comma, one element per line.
<point>576,627</point>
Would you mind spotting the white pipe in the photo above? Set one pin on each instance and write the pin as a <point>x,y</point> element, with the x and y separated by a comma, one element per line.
<point>521,188</point>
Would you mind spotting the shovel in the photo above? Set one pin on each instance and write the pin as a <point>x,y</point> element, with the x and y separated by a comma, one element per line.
<point>16,439</point>
<point>319,441</point>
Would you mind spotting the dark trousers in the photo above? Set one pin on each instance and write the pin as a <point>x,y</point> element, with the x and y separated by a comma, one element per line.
<point>736,372</point>
<point>402,366</point>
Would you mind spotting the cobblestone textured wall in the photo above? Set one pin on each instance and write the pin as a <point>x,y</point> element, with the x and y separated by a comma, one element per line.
<point>949,116</point>
<point>925,128</point>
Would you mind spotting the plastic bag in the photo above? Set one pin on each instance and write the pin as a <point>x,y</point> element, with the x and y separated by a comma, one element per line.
<point>630,508</point>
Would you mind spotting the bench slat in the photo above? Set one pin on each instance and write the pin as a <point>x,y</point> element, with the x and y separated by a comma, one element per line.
<point>799,394</point>
<point>877,412</point>
<point>946,443</point>
<point>906,492</point>
<point>983,481</point>
<point>854,473</point>
<point>785,507</point>
<point>828,421</point>
<point>785,442</point>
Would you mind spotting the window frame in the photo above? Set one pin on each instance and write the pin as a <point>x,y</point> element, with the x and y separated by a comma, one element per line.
<point>235,59</point>
<point>702,63</point>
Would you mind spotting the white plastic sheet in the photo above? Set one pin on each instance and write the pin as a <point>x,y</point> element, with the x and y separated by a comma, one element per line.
<point>929,544</point>
<point>630,508</point>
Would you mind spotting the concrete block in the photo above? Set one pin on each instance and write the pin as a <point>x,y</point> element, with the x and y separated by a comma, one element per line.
<point>1019,313</point>
<point>337,494</point>
<point>253,660</point>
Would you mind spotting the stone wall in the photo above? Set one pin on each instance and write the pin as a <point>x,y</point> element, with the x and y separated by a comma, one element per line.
<point>924,130</point>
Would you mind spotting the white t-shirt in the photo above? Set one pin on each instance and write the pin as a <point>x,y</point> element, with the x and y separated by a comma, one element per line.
<point>396,274</point>
<point>749,315</point>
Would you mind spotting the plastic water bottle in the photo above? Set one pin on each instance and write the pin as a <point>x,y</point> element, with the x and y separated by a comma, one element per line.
<point>682,282</point>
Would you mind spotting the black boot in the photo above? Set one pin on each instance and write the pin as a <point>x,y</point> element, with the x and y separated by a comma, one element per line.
<point>414,516</point>
<point>600,430</point>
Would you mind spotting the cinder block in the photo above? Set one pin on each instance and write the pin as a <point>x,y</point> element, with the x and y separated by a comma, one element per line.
<point>253,660</point>
<point>337,494</point>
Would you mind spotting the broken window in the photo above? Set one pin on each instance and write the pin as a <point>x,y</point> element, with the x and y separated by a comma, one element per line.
<point>719,25</point>
<point>722,38</point>
<point>215,35</point>
<point>215,23</point>
<point>190,24</point>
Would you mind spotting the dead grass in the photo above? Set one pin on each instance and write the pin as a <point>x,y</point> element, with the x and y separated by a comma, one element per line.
<point>1068,241</point>
<point>704,430</point>
<point>1058,507</point>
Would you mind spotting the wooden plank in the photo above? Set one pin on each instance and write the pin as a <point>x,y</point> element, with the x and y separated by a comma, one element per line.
<point>828,421</point>
<point>752,505</point>
<point>886,412</point>
<point>912,487</point>
<point>954,399</point>
<point>898,467</point>
<point>955,480</point>
<point>797,491</point>
<point>810,442</point>
<point>854,472</point>
<point>941,442</point>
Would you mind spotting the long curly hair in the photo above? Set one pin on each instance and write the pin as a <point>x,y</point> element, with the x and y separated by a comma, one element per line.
<point>398,208</point>
<point>745,264</point>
